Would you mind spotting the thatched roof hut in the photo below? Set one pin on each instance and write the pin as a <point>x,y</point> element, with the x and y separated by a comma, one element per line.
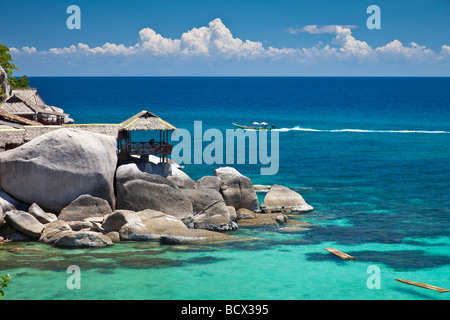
<point>29,94</point>
<point>146,121</point>
<point>11,138</point>
<point>27,103</point>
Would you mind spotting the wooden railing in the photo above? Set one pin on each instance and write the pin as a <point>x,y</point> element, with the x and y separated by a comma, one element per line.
<point>51,121</point>
<point>145,148</point>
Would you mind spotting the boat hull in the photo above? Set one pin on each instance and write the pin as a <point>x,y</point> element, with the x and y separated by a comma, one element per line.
<point>251,128</point>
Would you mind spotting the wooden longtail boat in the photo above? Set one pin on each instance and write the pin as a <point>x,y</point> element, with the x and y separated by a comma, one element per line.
<point>253,128</point>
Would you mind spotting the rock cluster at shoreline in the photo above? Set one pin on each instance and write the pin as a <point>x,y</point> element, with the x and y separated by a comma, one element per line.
<point>66,189</point>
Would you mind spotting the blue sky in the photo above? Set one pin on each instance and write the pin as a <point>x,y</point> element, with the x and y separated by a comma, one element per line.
<point>200,37</point>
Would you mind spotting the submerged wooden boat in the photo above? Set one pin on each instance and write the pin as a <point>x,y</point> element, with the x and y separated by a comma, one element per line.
<point>253,128</point>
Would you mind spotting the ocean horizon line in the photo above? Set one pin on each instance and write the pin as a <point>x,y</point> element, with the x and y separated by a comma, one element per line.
<point>223,76</point>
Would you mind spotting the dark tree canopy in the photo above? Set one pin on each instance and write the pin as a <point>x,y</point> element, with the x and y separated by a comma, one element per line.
<point>21,82</point>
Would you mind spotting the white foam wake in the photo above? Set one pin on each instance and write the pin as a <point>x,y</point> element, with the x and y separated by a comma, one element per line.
<point>298,128</point>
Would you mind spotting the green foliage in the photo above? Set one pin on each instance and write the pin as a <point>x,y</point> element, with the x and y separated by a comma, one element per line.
<point>21,82</point>
<point>6,60</point>
<point>6,63</point>
<point>3,284</point>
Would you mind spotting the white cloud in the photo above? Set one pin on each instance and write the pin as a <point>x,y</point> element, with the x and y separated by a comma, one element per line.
<point>28,50</point>
<point>153,43</point>
<point>445,50</point>
<point>349,46</point>
<point>84,49</point>
<point>316,29</point>
<point>395,49</point>
<point>445,53</point>
<point>215,42</point>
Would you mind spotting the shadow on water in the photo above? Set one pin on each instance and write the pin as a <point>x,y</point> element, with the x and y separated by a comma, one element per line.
<point>129,255</point>
<point>413,292</point>
<point>354,235</point>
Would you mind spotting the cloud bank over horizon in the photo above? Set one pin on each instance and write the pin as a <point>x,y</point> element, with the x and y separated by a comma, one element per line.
<point>215,45</point>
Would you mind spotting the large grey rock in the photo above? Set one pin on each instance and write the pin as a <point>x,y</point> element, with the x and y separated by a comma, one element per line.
<point>117,219</point>
<point>154,166</point>
<point>53,231</point>
<point>81,225</point>
<point>210,182</point>
<point>232,212</point>
<point>282,199</point>
<point>129,172</point>
<point>226,173</point>
<point>142,225</point>
<point>114,236</point>
<point>4,85</point>
<point>83,207</point>
<point>214,222</point>
<point>7,202</point>
<point>180,178</point>
<point>202,199</point>
<point>237,190</point>
<point>6,205</point>
<point>9,233</point>
<point>82,239</point>
<point>243,213</point>
<point>210,210</point>
<point>42,216</point>
<point>138,195</point>
<point>24,222</point>
<point>154,225</point>
<point>59,166</point>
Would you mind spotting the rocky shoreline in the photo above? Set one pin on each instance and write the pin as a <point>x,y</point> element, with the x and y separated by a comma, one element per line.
<point>67,188</point>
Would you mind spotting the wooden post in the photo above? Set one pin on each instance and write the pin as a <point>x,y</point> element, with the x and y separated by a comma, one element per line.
<point>167,142</point>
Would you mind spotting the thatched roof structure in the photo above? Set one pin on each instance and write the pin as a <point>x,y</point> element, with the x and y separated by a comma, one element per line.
<point>15,105</point>
<point>145,121</point>
<point>8,136</point>
<point>26,101</point>
<point>30,94</point>
<point>8,117</point>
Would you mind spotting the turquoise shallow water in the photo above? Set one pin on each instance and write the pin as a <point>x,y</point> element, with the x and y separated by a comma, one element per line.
<point>371,155</point>
<point>276,266</point>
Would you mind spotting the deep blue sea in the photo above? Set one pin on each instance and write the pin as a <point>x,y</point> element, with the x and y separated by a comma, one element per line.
<point>371,155</point>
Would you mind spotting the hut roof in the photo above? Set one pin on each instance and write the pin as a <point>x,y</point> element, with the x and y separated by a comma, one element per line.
<point>8,117</point>
<point>15,105</point>
<point>30,94</point>
<point>145,121</point>
<point>24,102</point>
<point>11,136</point>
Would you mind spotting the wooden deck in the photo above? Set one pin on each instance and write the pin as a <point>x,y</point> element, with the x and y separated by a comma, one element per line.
<point>423,285</point>
<point>340,254</point>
